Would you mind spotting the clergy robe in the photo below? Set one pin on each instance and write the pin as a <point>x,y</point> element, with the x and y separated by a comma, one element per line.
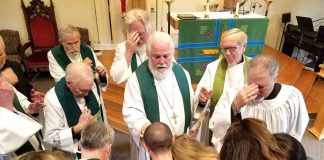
<point>57,72</point>
<point>56,131</point>
<point>16,129</point>
<point>234,79</point>
<point>286,113</point>
<point>169,96</point>
<point>120,71</point>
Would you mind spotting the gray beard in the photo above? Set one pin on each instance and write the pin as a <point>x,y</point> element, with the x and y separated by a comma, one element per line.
<point>160,75</point>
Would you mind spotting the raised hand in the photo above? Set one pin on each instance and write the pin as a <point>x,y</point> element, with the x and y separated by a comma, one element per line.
<point>204,95</point>
<point>37,96</point>
<point>34,107</point>
<point>131,44</point>
<point>84,119</point>
<point>101,71</point>
<point>246,95</point>
<point>87,61</point>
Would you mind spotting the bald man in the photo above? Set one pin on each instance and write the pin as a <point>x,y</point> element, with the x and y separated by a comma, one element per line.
<point>70,106</point>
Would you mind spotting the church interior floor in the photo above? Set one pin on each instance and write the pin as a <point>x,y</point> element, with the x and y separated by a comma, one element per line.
<point>121,150</point>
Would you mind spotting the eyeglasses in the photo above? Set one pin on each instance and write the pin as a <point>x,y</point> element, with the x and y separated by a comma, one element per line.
<point>231,49</point>
<point>82,91</point>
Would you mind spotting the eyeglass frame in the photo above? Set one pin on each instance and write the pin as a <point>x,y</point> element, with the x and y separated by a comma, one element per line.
<point>230,49</point>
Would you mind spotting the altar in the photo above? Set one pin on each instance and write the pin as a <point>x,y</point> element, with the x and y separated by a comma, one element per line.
<point>199,39</point>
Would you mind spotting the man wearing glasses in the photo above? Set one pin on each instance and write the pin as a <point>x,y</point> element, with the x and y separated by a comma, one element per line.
<point>70,105</point>
<point>223,74</point>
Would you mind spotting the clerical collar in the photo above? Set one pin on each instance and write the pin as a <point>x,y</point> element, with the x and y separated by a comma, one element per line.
<point>274,92</point>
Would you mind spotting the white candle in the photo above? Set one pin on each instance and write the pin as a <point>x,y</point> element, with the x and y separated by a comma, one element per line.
<point>237,8</point>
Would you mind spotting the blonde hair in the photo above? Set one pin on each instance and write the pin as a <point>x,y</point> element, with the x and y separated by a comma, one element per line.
<point>135,15</point>
<point>241,36</point>
<point>68,29</point>
<point>42,155</point>
<point>186,147</point>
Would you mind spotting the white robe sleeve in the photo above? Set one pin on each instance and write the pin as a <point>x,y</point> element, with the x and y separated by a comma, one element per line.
<point>299,115</point>
<point>220,121</point>
<point>133,108</point>
<point>120,71</point>
<point>55,69</point>
<point>22,100</point>
<point>56,131</point>
<point>15,131</point>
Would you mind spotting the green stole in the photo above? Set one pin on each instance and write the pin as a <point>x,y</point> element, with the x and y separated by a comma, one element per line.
<point>149,93</point>
<point>134,62</point>
<point>70,106</point>
<point>63,60</point>
<point>219,80</point>
<point>17,104</point>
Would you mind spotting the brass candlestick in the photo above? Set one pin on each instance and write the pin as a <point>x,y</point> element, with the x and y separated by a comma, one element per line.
<point>268,2</point>
<point>168,2</point>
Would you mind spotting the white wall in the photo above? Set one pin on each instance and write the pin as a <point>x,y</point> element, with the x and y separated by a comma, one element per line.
<point>82,13</point>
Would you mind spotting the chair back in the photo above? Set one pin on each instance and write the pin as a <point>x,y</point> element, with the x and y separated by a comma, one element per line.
<point>320,34</point>
<point>11,40</point>
<point>41,25</point>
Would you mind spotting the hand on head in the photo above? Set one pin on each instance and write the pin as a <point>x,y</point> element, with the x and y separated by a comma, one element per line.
<point>204,95</point>
<point>87,61</point>
<point>101,71</point>
<point>246,95</point>
<point>132,41</point>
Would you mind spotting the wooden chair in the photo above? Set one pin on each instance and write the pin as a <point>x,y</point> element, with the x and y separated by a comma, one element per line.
<point>13,46</point>
<point>84,33</point>
<point>42,33</point>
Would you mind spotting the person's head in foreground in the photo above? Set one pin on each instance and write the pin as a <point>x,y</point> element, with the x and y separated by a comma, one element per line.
<point>249,139</point>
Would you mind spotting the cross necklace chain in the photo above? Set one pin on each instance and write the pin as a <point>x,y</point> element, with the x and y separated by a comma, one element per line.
<point>174,116</point>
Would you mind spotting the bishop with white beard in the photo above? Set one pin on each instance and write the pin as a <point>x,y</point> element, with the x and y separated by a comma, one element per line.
<point>158,91</point>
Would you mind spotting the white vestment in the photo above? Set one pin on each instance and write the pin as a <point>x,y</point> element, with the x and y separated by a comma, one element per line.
<point>15,130</point>
<point>120,71</point>
<point>170,102</point>
<point>286,113</point>
<point>22,99</point>
<point>234,79</point>
<point>57,71</point>
<point>56,131</point>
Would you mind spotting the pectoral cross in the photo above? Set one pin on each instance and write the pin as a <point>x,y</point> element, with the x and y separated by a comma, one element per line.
<point>174,116</point>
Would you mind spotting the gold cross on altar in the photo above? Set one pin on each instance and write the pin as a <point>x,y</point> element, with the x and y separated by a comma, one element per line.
<point>174,116</point>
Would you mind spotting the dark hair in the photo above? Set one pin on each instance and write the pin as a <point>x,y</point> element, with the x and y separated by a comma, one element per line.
<point>158,137</point>
<point>249,139</point>
<point>291,146</point>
